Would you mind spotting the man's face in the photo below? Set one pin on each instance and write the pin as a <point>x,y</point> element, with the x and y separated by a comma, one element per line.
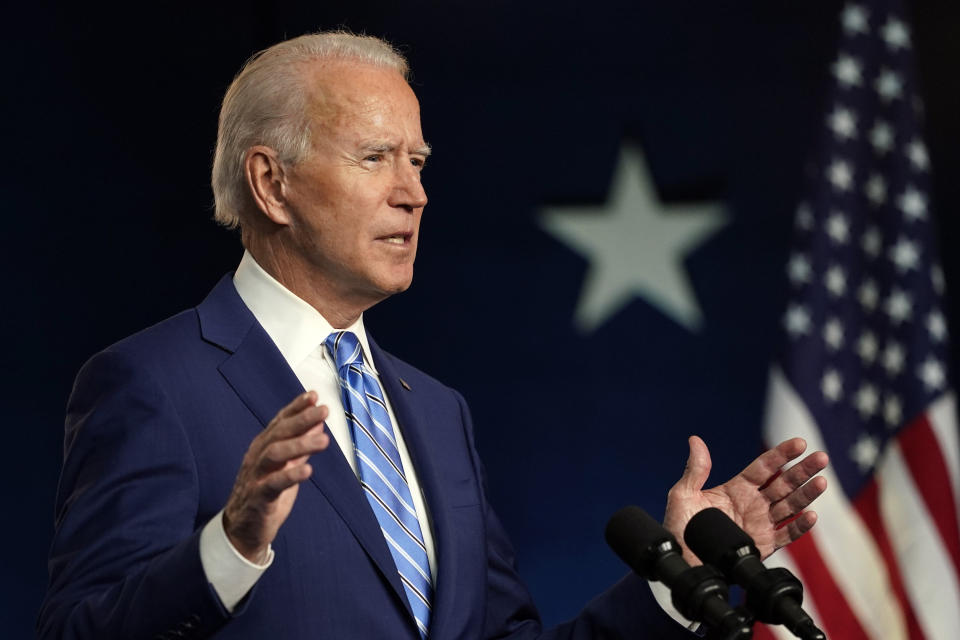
<point>355,201</point>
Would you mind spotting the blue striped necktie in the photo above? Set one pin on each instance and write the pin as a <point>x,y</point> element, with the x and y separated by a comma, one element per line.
<point>381,472</point>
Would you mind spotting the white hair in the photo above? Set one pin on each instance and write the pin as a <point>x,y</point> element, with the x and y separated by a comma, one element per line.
<point>266,104</point>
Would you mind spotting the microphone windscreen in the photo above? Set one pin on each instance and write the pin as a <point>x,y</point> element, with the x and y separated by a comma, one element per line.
<point>631,533</point>
<point>711,534</point>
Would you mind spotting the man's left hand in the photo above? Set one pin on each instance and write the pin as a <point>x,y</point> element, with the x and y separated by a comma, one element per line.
<point>765,501</point>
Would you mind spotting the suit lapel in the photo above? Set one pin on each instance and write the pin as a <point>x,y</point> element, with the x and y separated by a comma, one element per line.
<point>409,408</point>
<point>265,383</point>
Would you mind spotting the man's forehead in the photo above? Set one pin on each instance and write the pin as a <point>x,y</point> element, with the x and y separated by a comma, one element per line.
<point>371,104</point>
<point>353,82</point>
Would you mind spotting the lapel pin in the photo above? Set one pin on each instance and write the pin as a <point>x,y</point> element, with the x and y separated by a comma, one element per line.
<point>403,383</point>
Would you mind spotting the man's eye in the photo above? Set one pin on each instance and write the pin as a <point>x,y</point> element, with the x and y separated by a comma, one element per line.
<point>419,163</point>
<point>373,158</point>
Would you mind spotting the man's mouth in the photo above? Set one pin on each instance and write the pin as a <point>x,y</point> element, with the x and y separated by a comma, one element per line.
<point>399,238</point>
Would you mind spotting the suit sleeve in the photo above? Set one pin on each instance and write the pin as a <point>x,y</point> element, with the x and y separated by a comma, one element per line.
<point>625,610</point>
<point>124,562</point>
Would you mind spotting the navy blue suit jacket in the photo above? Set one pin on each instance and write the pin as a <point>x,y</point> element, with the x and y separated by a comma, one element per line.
<point>157,426</point>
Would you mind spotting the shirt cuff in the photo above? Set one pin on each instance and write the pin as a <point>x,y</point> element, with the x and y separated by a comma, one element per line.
<point>661,593</point>
<point>231,575</point>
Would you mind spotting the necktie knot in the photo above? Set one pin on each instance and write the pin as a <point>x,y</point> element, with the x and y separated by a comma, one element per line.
<point>344,346</point>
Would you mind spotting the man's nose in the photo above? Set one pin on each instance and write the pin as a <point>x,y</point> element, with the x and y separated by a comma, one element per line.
<point>408,191</point>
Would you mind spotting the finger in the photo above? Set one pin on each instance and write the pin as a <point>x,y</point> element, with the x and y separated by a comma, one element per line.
<point>798,500</point>
<point>767,464</point>
<point>796,476</point>
<point>697,471</point>
<point>282,479</point>
<point>796,528</point>
<point>299,403</point>
<point>280,452</point>
<point>297,423</point>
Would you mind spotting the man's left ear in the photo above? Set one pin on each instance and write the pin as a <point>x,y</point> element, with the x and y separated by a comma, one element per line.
<point>266,179</point>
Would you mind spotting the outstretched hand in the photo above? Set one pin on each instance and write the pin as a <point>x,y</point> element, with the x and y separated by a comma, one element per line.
<point>273,468</point>
<point>768,504</point>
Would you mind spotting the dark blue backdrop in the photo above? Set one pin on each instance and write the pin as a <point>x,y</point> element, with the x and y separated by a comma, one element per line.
<point>110,116</point>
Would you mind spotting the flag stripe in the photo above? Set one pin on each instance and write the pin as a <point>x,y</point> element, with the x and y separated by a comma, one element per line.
<point>821,587</point>
<point>928,574</point>
<point>943,420</point>
<point>922,455</point>
<point>867,505</point>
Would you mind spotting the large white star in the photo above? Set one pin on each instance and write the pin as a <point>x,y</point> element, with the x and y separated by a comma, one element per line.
<point>635,245</point>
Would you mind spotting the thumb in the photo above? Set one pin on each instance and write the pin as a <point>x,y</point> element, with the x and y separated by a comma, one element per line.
<point>697,471</point>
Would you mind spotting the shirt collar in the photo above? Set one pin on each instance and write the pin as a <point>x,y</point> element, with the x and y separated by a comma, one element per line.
<point>294,326</point>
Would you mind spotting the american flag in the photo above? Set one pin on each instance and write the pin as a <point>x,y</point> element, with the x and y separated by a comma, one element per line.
<point>863,372</point>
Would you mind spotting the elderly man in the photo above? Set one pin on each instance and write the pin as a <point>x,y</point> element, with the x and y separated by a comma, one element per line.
<point>359,508</point>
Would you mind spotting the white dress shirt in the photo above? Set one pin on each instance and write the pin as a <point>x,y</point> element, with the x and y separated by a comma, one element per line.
<point>299,331</point>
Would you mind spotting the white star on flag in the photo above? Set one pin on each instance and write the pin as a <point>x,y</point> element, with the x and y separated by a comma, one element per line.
<point>932,374</point>
<point>937,326</point>
<point>797,321</point>
<point>876,189</point>
<point>892,411</point>
<point>896,34</point>
<point>905,254</point>
<point>899,306</point>
<point>840,175</point>
<point>837,228</point>
<point>936,277</point>
<point>881,137</point>
<point>843,123</point>
<point>872,242</point>
<point>833,334</point>
<point>889,85</point>
<point>854,19</point>
<point>848,71</point>
<point>804,218</point>
<point>867,347</point>
<point>917,152</point>
<point>866,400</point>
<point>893,358</point>
<point>799,269</point>
<point>913,204</point>
<point>868,295</point>
<point>832,385</point>
<point>865,452</point>
<point>836,280</point>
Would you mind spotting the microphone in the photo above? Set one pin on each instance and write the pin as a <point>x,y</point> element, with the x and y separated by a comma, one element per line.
<point>773,595</point>
<point>699,593</point>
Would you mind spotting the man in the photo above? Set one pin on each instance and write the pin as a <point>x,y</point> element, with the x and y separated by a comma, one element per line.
<point>359,508</point>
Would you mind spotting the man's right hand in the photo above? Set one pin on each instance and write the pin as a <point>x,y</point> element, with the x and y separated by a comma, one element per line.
<point>273,468</point>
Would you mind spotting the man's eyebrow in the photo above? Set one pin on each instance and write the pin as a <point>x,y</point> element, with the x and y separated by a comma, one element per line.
<point>386,147</point>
